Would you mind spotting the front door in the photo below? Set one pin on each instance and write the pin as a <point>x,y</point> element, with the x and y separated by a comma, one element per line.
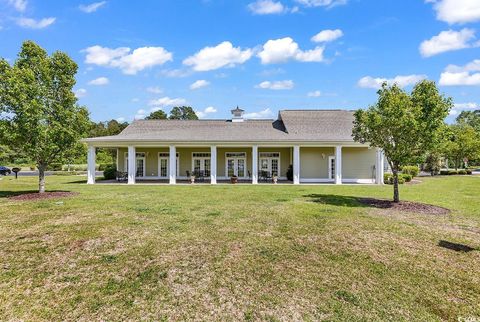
<point>235,163</point>
<point>270,163</point>
<point>201,163</point>
<point>331,167</point>
<point>163,169</point>
<point>139,164</point>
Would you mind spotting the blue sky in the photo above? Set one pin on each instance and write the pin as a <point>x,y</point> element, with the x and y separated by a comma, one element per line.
<point>266,55</point>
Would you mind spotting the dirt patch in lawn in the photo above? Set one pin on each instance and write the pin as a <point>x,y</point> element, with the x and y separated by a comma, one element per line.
<point>406,206</point>
<point>45,195</point>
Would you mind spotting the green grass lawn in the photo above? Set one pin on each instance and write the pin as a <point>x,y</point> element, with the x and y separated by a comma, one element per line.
<point>118,252</point>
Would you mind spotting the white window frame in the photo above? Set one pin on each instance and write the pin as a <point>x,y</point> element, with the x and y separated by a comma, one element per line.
<point>166,155</point>
<point>143,158</point>
<point>202,158</point>
<point>236,158</point>
<point>270,158</point>
<point>331,175</point>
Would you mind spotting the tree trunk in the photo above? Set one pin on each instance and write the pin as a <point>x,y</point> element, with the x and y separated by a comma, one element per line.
<point>396,194</point>
<point>41,178</point>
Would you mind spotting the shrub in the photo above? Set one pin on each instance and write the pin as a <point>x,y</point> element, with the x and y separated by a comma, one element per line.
<point>55,167</point>
<point>32,167</point>
<point>444,172</point>
<point>103,166</point>
<point>462,172</point>
<point>411,170</point>
<point>290,173</point>
<point>468,171</point>
<point>388,178</point>
<point>407,177</point>
<point>110,172</point>
<point>452,172</point>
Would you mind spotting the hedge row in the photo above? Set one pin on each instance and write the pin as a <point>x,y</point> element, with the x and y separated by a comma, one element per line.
<point>454,172</point>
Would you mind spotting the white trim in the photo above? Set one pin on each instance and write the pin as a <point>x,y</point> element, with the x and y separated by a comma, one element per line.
<point>131,164</point>
<point>296,164</point>
<point>172,164</point>
<point>117,159</point>
<point>324,180</point>
<point>338,164</point>
<point>213,164</point>
<point>91,160</point>
<point>254,164</point>
<point>358,180</point>
<point>236,158</point>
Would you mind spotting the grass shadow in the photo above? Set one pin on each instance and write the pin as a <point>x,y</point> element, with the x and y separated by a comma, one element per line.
<point>454,246</point>
<point>337,200</point>
<point>8,194</point>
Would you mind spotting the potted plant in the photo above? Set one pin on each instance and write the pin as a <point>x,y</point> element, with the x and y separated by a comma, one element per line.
<point>192,179</point>
<point>234,179</point>
<point>275,178</point>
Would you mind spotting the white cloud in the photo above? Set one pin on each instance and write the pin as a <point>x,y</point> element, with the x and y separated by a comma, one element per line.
<point>314,94</point>
<point>154,90</point>
<point>447,41</point>
<point>99,81</point>
<point>458,107</point>
<point>277,85</point>
<point>402,81</point>
<point>322,3</point>
<point>284,49</point>
<point>35,24</point>
<point>167,101</point>
<point>457,11</point>
<point>19,5</point>
<point>205,112</point>
<point>266,7</point>
<point>92,7</point>
<point>466,106</point>
<point>128,62</point>
<point>222,55</point>
<point>81,92</point>
<point>141,113</point>
<point>263,114</point>
<point>327,35</point>
<point>468,75</point>
<point>176,73</point>
<point>199,84</point>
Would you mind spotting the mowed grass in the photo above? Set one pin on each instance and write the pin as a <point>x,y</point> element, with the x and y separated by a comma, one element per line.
<point>118,252</point>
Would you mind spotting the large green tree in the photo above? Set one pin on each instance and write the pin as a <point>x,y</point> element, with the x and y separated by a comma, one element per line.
<point>405,126</point>
<point>462,144</point>
<point>40,116</point>
<point>471,118</point>
<point>183,113</point>
<point>157,115</point>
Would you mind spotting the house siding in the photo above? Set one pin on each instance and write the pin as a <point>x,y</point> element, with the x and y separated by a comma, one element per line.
<point>313,164</point>
<point>358,163</point>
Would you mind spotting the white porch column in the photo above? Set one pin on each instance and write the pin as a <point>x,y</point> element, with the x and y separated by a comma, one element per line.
<point>296,164</point>
<point>338,164</point>
<point>379,167</point>
<point>255,164</point>
<point>213,164</point>
<point>172,164</point>
<point>91,164</point>
<point>132,164</point>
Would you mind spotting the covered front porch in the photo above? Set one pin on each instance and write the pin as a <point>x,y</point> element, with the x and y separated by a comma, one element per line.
<point>254,164</point>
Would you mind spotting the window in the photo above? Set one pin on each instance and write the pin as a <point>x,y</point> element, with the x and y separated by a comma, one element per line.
<point>163,164</point>
<point>201,163</point>
<point>235,164</point>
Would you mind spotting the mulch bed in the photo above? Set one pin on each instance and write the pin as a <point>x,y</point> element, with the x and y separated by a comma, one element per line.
<point>45,195</point>
<point>406,206</point>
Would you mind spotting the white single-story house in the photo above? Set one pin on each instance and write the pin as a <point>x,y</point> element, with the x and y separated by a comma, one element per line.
<point>316,144</point>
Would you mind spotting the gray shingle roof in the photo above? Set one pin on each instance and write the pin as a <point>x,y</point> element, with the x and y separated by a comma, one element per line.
<point>292,125</point>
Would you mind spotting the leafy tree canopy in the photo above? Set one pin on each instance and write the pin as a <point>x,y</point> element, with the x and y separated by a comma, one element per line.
<point>405,126</point>
<point>183,113</point>
<point>39,112</point>
<point>471,118</point>
<point>157,115</point>
<point>462,143</point>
